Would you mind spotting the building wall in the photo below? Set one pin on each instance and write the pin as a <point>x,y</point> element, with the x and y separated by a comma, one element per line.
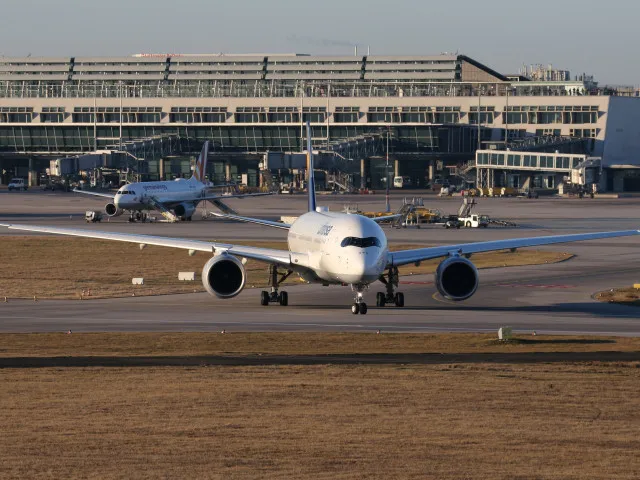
<point>622,144</point>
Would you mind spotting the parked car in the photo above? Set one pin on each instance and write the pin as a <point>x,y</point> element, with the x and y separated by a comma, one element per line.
<point>17,184</point>
<point>438,184</point>
<point>53,186</point>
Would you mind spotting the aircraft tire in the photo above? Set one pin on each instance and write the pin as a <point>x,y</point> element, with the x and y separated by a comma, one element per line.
<point>355,308</point>
<point>399,300</point>
<point>264,298</point>
<point>284,299</point>
<point>363,308</point>
<point>380,300</point>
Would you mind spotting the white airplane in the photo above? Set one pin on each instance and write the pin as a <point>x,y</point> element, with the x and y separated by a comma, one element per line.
<point>180,196</point>
<point>331,248</point>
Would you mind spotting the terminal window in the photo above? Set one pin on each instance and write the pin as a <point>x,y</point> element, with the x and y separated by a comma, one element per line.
<point>198,115</point>
<point>250,115</point>
<point>346,115</point>
<point>314,114</point>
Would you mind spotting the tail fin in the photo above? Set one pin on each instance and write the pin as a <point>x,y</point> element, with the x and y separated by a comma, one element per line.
<point>312,181</point>
<point>199,171</point>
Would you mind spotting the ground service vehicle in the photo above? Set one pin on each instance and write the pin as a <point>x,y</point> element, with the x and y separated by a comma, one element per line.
<point>402,182</point>
<point>475,221</point>
<point>92,216</point>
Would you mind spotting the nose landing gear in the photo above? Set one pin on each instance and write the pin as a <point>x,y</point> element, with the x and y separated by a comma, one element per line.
<point>390,296</point>
<point>359,307</point>
<point>274,297</point>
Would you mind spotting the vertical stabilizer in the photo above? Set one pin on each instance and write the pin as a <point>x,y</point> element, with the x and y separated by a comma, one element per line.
<point>200,169</point>
<point>312,181</point>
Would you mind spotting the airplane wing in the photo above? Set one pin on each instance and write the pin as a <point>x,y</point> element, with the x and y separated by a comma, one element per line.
<point>258,221</point>
<point>269,255</point>
<point>386,217</point>
<point>404,257</point>
<point>234,195</point>
<point>95,194</point>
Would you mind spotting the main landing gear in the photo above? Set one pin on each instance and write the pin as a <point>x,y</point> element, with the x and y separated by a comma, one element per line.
<point>137,216</point>
<point>359,307</point>
<point>274,297</point>
<point>391,281</point>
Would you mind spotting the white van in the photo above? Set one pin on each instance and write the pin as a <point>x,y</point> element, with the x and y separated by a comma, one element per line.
<point>17,184</point>
<point>401,182</point>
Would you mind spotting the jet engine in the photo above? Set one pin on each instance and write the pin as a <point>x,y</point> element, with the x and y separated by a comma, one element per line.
<point>184,210</point>
<point>112,211</point>
<point>456,279</point>
<point>224,276</point>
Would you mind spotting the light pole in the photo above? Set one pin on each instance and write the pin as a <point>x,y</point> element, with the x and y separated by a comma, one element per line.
<point>387,171</point>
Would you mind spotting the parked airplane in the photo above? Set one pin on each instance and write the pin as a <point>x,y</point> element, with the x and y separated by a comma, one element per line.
<point>176,200</point>
<point>332,248</point>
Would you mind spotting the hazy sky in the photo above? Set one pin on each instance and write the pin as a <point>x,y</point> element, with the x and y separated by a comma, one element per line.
<point>596,37</point>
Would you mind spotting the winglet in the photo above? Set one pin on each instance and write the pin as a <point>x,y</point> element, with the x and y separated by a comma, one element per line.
<point>200,169</point>
<point>312,181</point>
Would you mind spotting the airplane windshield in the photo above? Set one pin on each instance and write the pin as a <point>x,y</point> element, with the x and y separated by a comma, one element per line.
<point>360,242</point>
<point>127,192</point>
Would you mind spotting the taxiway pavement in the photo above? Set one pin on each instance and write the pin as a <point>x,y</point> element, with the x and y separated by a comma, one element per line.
<point>545,298</point>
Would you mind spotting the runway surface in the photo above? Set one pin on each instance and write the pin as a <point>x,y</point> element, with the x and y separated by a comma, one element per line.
<point>545,298</point>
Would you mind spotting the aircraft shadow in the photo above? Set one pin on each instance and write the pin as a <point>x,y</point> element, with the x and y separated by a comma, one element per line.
<point>331,359</point>
<point>586,308</point>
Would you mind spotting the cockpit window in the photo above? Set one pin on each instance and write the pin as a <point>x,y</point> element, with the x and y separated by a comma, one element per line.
<point>127,192</point>
<point>360,242</point>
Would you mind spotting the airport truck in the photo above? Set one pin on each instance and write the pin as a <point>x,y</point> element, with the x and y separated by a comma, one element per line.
<point>475,221</point>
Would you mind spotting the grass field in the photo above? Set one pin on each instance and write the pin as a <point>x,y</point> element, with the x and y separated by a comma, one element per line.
<point>397,406</point>
<point>625,296</point>
<point>60,267</point>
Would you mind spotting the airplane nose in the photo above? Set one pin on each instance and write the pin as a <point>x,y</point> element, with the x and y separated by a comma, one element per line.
<point>362,267</point>
<point>359,264</point>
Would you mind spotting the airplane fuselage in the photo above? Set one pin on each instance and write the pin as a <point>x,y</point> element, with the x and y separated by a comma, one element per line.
<point>137,196</point>
<point>341,248</point>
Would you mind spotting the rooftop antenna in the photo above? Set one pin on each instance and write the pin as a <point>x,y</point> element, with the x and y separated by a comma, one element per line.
<point>355,50</point>
<point>368,50</point>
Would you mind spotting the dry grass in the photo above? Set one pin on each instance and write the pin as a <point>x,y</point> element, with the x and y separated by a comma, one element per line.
<point>443,419</point>
<point>242,344</point>
<point>476,421</point>
<point>59,267</point>
<point>624,296</point>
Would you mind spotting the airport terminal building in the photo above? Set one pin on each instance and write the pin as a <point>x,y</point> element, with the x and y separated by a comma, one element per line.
<point>428,112</point>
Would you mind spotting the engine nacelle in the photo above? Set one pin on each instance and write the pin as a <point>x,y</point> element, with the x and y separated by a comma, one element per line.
<point>224,276</point>
<point>456,278</point>
<point>112,211</point>
<point>184,210</point>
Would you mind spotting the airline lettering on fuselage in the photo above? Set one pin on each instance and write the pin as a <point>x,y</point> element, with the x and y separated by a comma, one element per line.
<point>324,230</point>
<point>154,187</point>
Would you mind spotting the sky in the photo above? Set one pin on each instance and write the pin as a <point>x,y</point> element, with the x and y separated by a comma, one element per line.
<point>593,37</point>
